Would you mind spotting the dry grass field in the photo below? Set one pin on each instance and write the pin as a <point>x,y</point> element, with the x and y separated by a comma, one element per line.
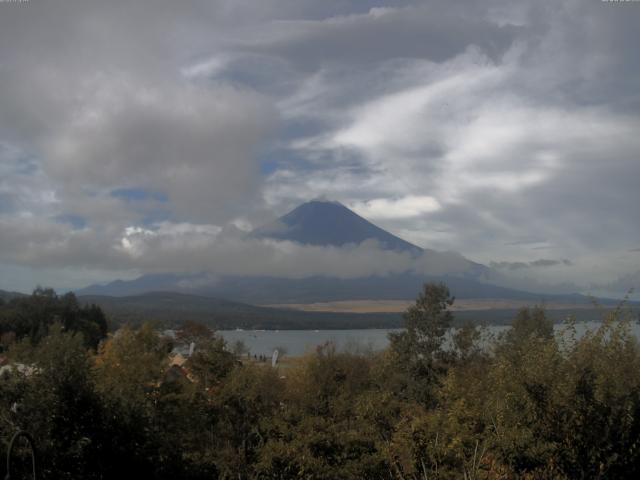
<point>392,306</point>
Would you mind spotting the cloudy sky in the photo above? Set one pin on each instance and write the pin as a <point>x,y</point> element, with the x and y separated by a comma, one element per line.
<point>147,136</point>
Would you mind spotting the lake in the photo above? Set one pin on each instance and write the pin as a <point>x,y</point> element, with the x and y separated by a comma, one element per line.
<point>298,342</point>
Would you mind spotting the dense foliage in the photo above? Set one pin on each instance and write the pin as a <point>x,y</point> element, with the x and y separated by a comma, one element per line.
<point>32,316</point>
<point>528,404</point>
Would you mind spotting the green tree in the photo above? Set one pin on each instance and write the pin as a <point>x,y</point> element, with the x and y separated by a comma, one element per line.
<point>211,362</point>
<point>129,369</point>
<point>194,332</point>
<point>54,399</point>
<point>32,317</point>
<point>418,349</point>
<point>244,408</point>
<point>530,322</point>
<point>328,423</point>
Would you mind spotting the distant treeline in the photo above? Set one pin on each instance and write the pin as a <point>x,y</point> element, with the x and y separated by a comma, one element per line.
<point>530,405</point>
<point>31,317</point>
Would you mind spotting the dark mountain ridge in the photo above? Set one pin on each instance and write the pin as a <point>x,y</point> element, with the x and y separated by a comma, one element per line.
<point>266,290</point>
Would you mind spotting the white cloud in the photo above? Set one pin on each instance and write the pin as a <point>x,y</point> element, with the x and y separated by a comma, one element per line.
<point>401,208</point>
<point>458,126</point>
<point>196,145</point>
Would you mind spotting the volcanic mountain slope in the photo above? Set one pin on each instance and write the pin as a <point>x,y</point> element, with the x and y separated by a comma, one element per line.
<point>322,223</point>
<point>330,223</point>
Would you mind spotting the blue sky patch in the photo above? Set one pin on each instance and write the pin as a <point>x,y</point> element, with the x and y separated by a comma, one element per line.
<point>76,221</point>
<point>138,195</point>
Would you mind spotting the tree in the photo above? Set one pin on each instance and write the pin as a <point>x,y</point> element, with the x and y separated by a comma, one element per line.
<point>418,349</point>
<point>129,369</point>
<point>33,316</point>
<point>130,364</point>
<point>531,322</point>
<point>327,424</point>
<point>56,403</point>
<point>245,404</point>
<point>194,332</point>
<point>211,361</point>
<point>239,348</point>
<point>466,341</point>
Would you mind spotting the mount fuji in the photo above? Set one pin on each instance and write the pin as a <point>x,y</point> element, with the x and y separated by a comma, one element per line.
<point>324,223</point>
<point>330,223</point>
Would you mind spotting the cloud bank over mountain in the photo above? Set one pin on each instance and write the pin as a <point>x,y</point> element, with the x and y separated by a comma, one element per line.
<point>135,137</point>
<point>186,247</point>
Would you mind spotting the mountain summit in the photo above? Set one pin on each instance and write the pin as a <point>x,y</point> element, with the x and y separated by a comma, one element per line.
<point>330,223</point>
<point>324,223</point>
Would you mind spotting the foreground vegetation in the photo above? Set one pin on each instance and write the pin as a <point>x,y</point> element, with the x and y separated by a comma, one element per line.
<point>525,405</point>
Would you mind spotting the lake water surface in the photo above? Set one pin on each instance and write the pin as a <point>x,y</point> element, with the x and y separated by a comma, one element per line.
<point>299,342</point>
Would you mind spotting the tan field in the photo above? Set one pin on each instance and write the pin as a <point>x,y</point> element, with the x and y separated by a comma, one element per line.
<point>391,306</point>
